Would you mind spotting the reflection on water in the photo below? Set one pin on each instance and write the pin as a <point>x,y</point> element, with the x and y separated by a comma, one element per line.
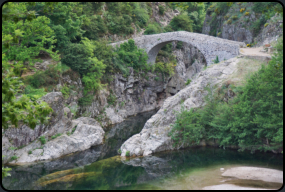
<point>23,176</point>
<point>185,169</point>
<point>101,168</point>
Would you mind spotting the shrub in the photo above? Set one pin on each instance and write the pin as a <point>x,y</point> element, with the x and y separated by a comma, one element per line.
<point>111,100</point>
<point>188,82</point>
<point>56,135</point>
<point>76,56</point>
<point>256,26</point>
<point>181,23</point>
<point>248,45</point>
<point>43,140</point>
<point>266,24</point>
<point>247,13</point>
<point>229,21</point>
<point>161,9</point>
<point>43,78</point>
<point>73,129</point>
<point>167,29</point>
<point>94,27</point>
<point>179,45</point>
<point>242,10</point>
<point>234,17</point>
<point>127,153</point>
<point>14,158</point>
<point>141,16</point>
<point>129,55</point>
<point>12,148</point>
<point>216,60</point>
<point>85,100</point>
<point>152,28</point>
<point>226,17</point>
<point>30,152</point>
<point>120,151</point>
<point>65,91</point>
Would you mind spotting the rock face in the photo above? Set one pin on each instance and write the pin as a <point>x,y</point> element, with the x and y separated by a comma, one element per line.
<point>210,46</point>
<point>241,28</point>
<point>271,32</point>
<point>85,136</point>
<point>58,123</point>
<point>154,136</point>
<point>136,94</point>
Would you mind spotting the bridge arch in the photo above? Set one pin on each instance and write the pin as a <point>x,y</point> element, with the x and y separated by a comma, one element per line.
<point>209,46</point>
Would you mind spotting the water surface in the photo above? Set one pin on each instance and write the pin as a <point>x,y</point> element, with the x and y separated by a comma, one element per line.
<point>101,168</point>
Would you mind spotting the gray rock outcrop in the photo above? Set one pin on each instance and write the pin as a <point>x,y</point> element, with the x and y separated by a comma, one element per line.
<point>154,136</point>
<point>85,136</point>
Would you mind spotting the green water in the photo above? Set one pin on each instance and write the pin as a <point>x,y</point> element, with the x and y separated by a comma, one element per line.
<point>101,168</point>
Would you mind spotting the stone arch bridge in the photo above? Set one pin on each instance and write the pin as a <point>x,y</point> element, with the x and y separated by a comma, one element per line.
<point>210,46</point>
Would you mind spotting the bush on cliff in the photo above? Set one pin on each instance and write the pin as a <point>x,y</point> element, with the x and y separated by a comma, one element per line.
<point>253,119</point>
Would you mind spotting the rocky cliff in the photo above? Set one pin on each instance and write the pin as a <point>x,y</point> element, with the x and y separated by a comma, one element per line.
<point>237,24</point>
<point>134,94</point>
<point>154,136</point>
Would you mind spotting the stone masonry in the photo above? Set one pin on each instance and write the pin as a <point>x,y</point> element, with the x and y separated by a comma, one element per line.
<point>208,45</point>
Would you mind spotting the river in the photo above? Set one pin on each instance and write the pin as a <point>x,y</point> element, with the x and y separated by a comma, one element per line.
<point>101,167</point>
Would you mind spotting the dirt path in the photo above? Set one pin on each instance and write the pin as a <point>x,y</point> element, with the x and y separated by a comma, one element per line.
<point>255,51</point>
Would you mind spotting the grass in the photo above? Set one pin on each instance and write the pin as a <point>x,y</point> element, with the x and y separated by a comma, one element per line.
<point>12,148</point>
<point>14,158</point>
<point>56,135</point>
<point>245,67</point>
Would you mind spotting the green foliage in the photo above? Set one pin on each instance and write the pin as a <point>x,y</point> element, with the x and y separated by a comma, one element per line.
<point>152,28</point>
<point>216,60</point>
<point>14,158</point>
<point>161,9</point>
<point>112,99</point>
<point>268,9</point>
<point>56,135</point>
<point>12,148</point>
<point>45,78</point>
<point>181,23</point>
<point>86,100</point>
<point>13,110</point>
<point>120,151</point>
<point>30,152</point>
<point>179,45</point>
<point>257,25</point>
<point>188,82</point>
<point>65,91</point>
<point>164,68</point>
<point>94,27</point>
<point>43,139</point>
<point>73,129</point>
<point>129,55</point>
<point>127,153</point>
<point>253,119</point>
<point>5,170</point>
<point>23,39</point>
<point>105,53</point>
<point>33,93</point>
